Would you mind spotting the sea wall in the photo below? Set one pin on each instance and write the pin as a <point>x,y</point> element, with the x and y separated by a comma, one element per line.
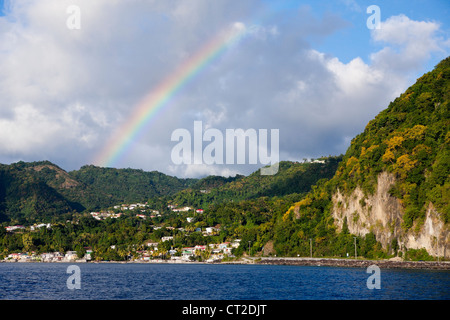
<point>382,214</point>
<point>387,264</point>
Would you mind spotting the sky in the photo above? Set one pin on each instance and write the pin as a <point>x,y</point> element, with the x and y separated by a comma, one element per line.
<point>108,82</point>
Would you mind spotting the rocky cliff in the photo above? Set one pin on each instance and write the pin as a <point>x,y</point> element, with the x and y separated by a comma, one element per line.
<point>394,179</point>
<point>382,214</point>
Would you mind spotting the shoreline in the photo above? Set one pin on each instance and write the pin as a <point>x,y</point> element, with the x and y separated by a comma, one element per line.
<point>287,261</point>
<point>356,263</point>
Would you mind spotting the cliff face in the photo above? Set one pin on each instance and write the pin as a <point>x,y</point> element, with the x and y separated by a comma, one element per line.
<point>394,178</point>
<point>382,214</point>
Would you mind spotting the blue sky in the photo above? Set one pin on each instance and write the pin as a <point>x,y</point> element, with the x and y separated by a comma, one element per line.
<point>354,40</point>
<point>311,69</point>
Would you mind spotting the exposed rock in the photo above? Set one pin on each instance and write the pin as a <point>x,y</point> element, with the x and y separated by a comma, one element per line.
<point>268,248</point>
<point>67,182</point>
<point>382,214</point>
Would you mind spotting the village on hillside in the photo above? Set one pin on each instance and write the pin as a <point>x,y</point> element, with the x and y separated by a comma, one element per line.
<point>150,251</point>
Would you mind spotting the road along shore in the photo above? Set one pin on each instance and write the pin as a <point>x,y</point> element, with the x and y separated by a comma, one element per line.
<point>388,264</point>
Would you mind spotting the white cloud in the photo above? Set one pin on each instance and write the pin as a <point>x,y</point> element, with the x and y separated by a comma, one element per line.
<point>65,92</point>
<point>401,30</point>
<point>408,43</point>
<point>197,170</point>
<point>28,130</point>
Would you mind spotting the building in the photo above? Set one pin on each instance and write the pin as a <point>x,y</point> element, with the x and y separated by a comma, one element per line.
<point>71,256</point>
<point>211,230</point>
<point>14,228</point>
<point>187,252</point>
<point>40,226</point>
<point>152,244</point>
<point>184,209</point>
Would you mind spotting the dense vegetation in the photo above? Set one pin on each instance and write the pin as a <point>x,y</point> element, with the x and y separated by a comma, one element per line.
<point>287,214</point>
<point>292,177</point>
<point>252,209</point>
<point>410,139</point>
<point>40,191</point>
<point>243,207</point>
<point>255,222</point>
<point>25,197</point>
<point>128,185</point>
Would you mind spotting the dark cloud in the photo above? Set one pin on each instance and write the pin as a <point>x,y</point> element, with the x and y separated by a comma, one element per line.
<point>65,92</point>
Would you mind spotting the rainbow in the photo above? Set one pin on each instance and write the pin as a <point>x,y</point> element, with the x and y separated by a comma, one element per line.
<point>161,95</point>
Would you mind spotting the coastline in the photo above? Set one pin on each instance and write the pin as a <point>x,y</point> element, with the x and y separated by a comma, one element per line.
<point>357,263</point>
<point>290,261</point>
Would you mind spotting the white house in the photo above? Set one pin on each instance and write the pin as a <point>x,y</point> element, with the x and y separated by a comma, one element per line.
<point>87,255</point>
<point>40,226</point>
<point>224,245</point>
<point>236,243</point>
<point>12,228</point>
<point>71,256</point>
<point>182,209</point>
<point>211,230</point>
<point>187,252</point>
<point>152,244</point>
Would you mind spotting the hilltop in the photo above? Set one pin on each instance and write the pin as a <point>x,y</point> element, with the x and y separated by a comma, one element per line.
<point>292,178</point>
<point>393,183</point>
<point>36,191</point>
<point>23,193</point>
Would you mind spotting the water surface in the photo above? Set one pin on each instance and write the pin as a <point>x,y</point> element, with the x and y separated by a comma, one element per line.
<point>115,281</point>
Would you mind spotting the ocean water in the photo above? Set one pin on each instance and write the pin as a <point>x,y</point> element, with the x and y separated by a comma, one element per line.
<point>115,281</point>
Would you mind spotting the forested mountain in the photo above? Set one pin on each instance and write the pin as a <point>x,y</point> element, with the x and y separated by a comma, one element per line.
<point>291,178</point>
<point>128,185</point>
<point>393,182</point>
<point>37,190</point>
<point>388,195</point>
<point>243,206</point>
<point>26,196</point>
<point>411,140</point>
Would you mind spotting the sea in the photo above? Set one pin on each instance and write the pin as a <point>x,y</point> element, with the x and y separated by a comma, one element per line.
<point>201,282</point>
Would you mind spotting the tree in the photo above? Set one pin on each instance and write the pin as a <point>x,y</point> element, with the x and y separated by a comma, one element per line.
<point>80,251</point>
<point>27,241</point>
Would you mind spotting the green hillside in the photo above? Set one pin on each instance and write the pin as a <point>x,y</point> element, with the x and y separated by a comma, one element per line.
<point>33,191</point>
<point>128,185</point>
<point>25,197</point>
<point>410,139</point>
<point>287,214</point>
<point>41,190</point>
<point>292,178</point>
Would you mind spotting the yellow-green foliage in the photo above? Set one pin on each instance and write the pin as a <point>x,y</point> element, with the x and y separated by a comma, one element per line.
<point>411,140</point>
